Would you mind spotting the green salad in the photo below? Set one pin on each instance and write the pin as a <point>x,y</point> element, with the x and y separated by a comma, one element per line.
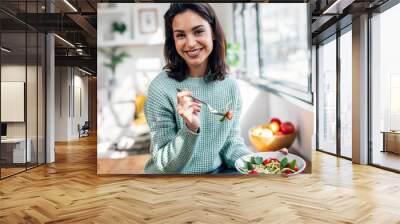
<point>257,165</point>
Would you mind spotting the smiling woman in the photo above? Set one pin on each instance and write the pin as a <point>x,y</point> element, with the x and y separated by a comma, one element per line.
<point>193,32</point>
<point>184,138</point>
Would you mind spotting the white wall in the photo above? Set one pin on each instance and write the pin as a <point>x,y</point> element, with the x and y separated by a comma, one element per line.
<point>61,103</point>
<point>79,117</point>
<point>33,125</point>
<point>68,82</point>
<point>11,73</point>
<point>17,73</point>
<point>224,12</point>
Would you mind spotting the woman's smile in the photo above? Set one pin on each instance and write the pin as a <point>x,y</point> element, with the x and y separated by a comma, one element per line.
<point>194,53</point>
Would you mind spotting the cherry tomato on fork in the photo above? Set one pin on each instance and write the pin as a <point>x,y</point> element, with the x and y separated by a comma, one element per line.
<point>229,115</point>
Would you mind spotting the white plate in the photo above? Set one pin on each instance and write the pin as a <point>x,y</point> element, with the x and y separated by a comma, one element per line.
<point>301,164</point>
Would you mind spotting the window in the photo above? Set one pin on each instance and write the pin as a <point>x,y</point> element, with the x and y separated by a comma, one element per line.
<point>251,40</point>
<point>277,48</point>
<point>285,48</point>
<point>239,34</point>
<point>334,105</point>
<point>22,66</point>
<point>385,88</point>
<point>285,43</point>
<point>327,96</point>
<point>346,93</point>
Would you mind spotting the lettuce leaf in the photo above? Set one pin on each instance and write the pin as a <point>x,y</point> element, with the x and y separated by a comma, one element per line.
<point>292,164</point>
<point>284,163</point>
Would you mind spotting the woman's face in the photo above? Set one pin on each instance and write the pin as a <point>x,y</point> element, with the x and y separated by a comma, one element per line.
<point>193,38</point>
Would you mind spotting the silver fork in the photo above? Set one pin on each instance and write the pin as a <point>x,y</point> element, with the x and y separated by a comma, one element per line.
<point>210,108</point>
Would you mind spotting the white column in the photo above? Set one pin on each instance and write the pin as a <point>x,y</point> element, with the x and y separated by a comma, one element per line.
<point>50,99</point>
<point>360,90</point>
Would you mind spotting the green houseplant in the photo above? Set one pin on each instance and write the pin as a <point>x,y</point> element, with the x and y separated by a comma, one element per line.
<point>233,54</point>
<point>115,58</point>
<point>232,57</point>
<point>118,29</point>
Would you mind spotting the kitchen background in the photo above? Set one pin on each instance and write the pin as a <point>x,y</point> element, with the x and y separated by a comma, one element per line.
<point>272,66</point>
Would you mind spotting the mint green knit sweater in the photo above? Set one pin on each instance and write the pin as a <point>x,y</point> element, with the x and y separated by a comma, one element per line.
<point>177,150</point>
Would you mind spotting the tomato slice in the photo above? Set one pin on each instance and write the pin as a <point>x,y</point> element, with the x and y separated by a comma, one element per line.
<point>253,172</point>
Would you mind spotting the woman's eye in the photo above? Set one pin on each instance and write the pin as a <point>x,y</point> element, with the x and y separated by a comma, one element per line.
<point>199,32</point>
<point>180,36</point>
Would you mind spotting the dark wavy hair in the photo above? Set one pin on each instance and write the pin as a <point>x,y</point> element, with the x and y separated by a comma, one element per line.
<point>175,65</point>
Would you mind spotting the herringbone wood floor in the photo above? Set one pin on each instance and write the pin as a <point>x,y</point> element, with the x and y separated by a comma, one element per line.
<point>69,191</point>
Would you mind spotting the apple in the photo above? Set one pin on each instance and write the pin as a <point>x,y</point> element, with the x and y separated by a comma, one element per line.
<point>287,128</point>
<point>274,126</point>
<point>277,120</point>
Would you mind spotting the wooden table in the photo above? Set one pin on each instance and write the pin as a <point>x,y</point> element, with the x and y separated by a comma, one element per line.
<point>391,141</point>
<point>128,165</point>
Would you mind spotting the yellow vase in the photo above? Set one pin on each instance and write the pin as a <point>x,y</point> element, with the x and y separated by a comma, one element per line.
<point>140,118</point>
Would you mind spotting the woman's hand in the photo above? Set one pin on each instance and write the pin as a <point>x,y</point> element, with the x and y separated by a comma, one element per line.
<point>189,110</point>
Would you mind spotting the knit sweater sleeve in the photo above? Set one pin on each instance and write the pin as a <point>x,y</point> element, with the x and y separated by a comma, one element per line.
<point>234,147</point>
<point>170,149</point>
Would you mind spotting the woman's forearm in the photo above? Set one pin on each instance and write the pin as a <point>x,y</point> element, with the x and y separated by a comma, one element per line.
<point>173,156</point>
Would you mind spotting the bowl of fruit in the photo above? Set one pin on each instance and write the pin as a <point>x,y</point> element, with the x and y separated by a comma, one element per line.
<point>272,136</point>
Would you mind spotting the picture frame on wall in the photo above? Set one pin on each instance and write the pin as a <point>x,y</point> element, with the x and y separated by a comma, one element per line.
<point>148,20</point>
